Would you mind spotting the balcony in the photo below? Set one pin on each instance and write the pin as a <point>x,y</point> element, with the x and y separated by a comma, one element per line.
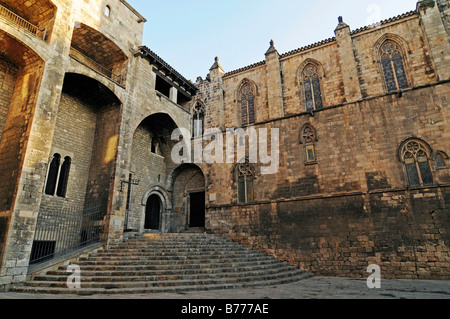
<point>97,67</point>
<point>97,52</point>
<point>36,17</point>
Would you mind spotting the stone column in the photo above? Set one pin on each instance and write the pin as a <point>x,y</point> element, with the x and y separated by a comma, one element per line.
<point>347,62</point>
<point>216,104</point>
<point>274,83</point>
<point>434,30</point>
<point>173,95</point>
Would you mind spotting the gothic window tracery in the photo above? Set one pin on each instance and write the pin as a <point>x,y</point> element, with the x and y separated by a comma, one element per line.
<point>393,67</point>
<point>245,173</point>
<point>312,89</point>
<point>309,138</point>
<point>415,156</point>
<point>198,120</point>
<point>247,103</point>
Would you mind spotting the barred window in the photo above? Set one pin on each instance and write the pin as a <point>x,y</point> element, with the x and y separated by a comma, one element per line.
<point>312,89</point>
<point>247,102</point>
<point>416,159</point>
<point>393,67</point>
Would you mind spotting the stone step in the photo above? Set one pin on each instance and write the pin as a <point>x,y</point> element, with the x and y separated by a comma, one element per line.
<point>170,256</point>
<point>151,290</point>
<point>170,277</point>
<point>163,283</point>
<point>149,248</point>
<point>186,271</point>
<point>179,265</point>
<point>168,263</point>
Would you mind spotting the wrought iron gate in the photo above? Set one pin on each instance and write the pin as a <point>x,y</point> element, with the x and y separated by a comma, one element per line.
<point>62,232</point>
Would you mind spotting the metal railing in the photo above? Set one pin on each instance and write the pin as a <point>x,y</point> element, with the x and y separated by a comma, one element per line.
<point>66,231</point>
<point>21,22</point>
<point>94,65</point>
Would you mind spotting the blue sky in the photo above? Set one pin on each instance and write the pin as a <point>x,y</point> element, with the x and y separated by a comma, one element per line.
<point>188,34</point>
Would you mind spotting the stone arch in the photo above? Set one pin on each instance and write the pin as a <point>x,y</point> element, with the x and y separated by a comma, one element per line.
<point>166,207</point>
<point>150,168</point>
<point>99,53</point>
<point>409,139</point>
<point>187,184</point>
<point>304,64</point>
<point>22,71</point>
<point>177,170</point>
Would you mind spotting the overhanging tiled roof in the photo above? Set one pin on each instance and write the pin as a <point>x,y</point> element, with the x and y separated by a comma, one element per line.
<point>162,66</point>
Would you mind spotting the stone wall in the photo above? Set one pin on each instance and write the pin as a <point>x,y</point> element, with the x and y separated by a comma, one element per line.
<point>76,123</point>
<point>353,207</point>
<point>8,74</point>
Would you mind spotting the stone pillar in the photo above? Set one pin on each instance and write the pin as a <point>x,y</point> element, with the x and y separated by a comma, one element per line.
<point>434,30</point>
<point>349,67</point>
<point>31,175</point>
<point>173,95</point>
<point>216,104</point>
<point>274,83</point>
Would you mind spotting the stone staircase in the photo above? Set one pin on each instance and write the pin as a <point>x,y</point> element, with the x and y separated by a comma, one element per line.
<point>167,263</point>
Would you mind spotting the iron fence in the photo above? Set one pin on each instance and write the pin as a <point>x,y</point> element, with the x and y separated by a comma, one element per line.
<point>21,22</point>
<point>65,231</point>
<point>94,65</point>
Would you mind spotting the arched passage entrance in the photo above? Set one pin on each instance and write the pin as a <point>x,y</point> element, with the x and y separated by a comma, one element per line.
<point>189,196</point>
<point>149,161</point>
<point>153,210</point>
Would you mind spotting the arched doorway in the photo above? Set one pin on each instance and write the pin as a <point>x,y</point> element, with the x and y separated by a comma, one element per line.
<point>153,213</point>
<point>188,186</point>
<point>197,210</point>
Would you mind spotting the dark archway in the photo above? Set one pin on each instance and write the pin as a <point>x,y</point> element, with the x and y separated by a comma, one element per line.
<point>188,185</point>
<point>153,213</point>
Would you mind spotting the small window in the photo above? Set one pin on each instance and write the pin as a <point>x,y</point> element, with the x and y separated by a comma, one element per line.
<point>440,161</point>
<point>64,178</point>
<point>52,177</point>
<point>308,138</point>
<point>198,121</point>
<point>108,11</point>
<point>58,176</point>
<point>155,147</point>
<point>245,174</point>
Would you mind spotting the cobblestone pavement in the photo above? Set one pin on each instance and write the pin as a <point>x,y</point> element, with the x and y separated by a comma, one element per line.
<point>312,288</point>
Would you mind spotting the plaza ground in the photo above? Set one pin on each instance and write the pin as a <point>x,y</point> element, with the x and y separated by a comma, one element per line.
<point>311,288</point>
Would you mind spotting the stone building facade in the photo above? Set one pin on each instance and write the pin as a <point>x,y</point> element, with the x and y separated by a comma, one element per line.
<point>87,115</point>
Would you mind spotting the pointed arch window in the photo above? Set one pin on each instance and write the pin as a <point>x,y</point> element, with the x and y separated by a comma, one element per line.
<point>247,103</point>
<point>308,137</point>
<point>58,176</point>
<point>198,120</point>
<point>107,11</point>
<point>393,66</point>
<point>245,175</point>
<point>415,156</point>
<point>311,87</point>
<point>440,159</point>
